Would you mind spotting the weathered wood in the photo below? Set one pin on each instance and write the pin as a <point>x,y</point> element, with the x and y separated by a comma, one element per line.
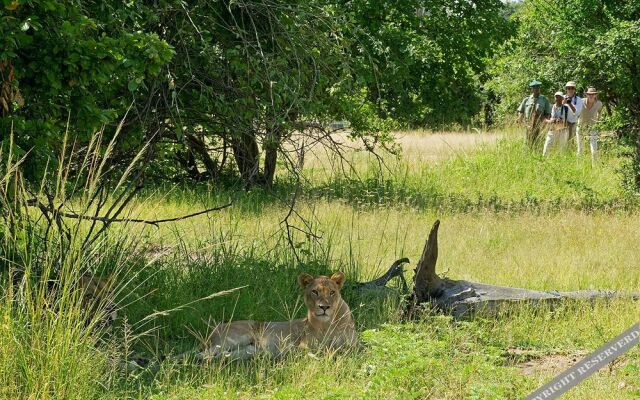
<point>395,270</point>
<point>426,283</point>
<point>461,298</point>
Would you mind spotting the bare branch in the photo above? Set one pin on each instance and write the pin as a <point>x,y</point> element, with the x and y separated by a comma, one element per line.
<point>56,212</point>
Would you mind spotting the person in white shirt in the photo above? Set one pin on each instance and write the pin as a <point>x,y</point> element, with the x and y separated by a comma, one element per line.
<point>557,124</point>
<point>588,119</point>
<point>575,108</point>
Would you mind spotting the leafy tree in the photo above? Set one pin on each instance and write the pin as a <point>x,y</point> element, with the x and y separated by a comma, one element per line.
<point>249,74</point>
<point>429,57</point>
<point>243,80</point>
<point>208,81</point>
<point>70,74</point>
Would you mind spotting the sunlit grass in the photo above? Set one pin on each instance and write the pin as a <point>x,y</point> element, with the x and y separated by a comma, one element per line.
<point>508,217</point>
<point>556,250</point>
<point>503,176</point>
<point>583,240</point>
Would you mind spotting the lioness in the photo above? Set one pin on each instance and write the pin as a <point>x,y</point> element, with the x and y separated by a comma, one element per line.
<point>98,298</point>
<point>328,325</point>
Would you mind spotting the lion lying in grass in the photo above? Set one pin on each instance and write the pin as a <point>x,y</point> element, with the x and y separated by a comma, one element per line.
<point>328,325</point>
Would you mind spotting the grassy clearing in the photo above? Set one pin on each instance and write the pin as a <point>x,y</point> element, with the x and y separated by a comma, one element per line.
<point>559,250</point>
<point>433,358</point>
<point>508,217</point>
<point>545,245</point>
<point>501,176</point>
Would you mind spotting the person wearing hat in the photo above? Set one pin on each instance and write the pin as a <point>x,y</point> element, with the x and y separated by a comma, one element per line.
<point>557,123</point>
<point>588,119</point>
<point>574,102</point>
<point>533,110</point>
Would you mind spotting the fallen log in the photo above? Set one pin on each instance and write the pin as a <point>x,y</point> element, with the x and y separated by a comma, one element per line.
<point>380,283</point>
<point>462,298</point>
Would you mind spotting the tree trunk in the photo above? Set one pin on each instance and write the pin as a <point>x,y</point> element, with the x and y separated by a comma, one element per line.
<point>188,162</point>
<point>271,145</point>
<point>394,271</point>
<point>426,283</point>
<point>247,155</point>
<point>197,146</point>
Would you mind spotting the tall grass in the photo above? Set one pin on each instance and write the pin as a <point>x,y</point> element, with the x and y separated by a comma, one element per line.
<point>499,174</point>
<point>569,226</point>
<point>47,348</point>
<point>53,342</point>
<point>557,235</point>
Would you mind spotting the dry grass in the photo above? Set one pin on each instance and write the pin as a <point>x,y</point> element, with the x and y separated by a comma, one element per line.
<point>561,249</point>
<point>416,145</point>
<point>420,146</point>
<point>567,250</point>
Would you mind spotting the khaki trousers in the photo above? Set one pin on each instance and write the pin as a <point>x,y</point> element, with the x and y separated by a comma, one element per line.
<point>559,136</point>
<point>587,133</point>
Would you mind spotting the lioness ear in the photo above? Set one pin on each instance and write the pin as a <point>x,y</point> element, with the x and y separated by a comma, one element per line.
<point>338,278</point>
<point>304,279</point>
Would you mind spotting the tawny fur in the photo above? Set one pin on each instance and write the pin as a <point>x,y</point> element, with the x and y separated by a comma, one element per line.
<point>98,297</point>
<point>328,325</point>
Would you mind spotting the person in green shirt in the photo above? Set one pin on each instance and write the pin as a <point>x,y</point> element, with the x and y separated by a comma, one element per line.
<point>533,110</point>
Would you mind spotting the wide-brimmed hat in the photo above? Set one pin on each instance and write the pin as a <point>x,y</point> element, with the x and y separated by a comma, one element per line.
<point>534,83</point>
<point>591,90</point>
<point>559,94</point>
<point>570,84</point>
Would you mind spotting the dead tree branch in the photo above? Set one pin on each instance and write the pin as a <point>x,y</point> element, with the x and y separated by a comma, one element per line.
<point>395,270</point>
<point>56,212</point>
<point>463,298</point>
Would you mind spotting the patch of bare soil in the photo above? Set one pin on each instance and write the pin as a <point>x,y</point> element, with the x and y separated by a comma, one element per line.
<point>534,363</point>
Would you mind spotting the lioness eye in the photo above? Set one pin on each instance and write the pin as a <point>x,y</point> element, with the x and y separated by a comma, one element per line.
<point>315,292</point>
<point>333,292</point>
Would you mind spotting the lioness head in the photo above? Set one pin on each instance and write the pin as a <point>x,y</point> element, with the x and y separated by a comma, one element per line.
<point>322,294</point>
<point>98,296</point>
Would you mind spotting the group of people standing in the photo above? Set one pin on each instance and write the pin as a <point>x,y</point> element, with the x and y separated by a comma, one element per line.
<point>569,117</point>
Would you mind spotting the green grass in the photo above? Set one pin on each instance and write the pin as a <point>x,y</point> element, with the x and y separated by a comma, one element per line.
<point>432,358</point>
<point>508,217</point>
<point>502,176</point>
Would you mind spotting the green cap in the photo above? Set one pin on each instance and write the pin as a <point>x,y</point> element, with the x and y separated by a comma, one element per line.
<point>535,83</point>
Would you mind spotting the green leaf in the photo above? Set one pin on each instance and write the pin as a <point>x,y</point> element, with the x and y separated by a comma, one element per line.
<point>133,85</point>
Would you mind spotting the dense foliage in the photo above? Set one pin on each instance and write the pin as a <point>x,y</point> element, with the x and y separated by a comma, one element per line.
<point>242,86</point>
<point>429,57</point>
<point>592,42</point>
<point>69,70</point>
<point>207,82</point>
